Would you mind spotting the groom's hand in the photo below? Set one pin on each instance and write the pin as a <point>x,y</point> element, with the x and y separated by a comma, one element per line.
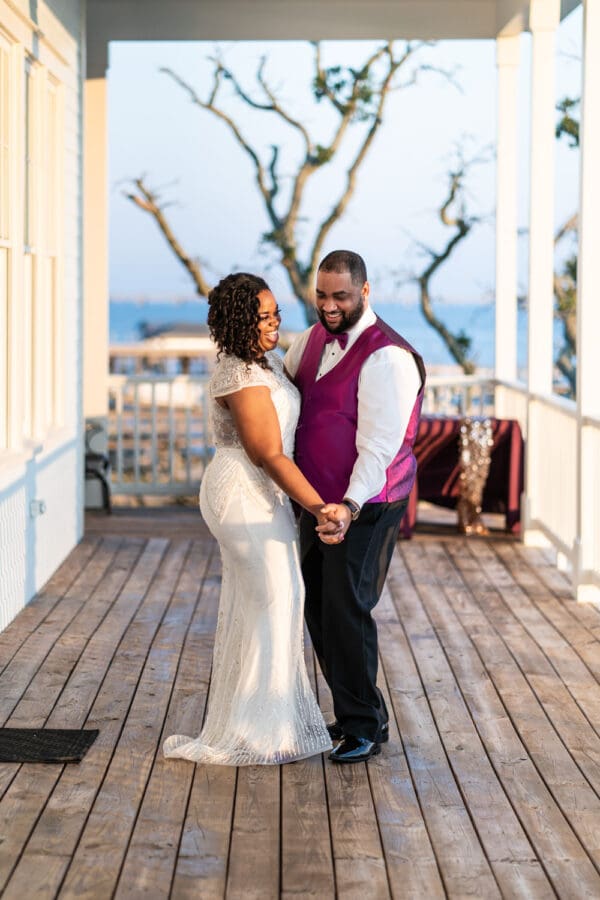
<point>334,521</point>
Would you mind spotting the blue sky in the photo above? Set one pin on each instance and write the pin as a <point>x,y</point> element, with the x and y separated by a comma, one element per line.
<point>216,211</point>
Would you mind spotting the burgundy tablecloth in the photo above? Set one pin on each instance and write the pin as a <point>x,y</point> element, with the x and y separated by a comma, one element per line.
<point>438,473</point>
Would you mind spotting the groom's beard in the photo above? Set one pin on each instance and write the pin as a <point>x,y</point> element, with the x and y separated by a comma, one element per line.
<point>346,320</point>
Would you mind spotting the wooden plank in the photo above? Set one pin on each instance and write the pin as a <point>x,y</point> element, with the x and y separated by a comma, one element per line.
<point>542,561</point>
<point>539,559</point>
<point>306,856</point>
<point>14,635</point>
<point>261,822</point>
<point>357,850</point>
<point>96,862</point>
<point>201,865</point>
<point>152,853</point>
<point>204,849</point>
<point>544,775</point>
<point>37,702</point>
<point>559,612</point>
<point>40,697</point>
<point>182,522</point>
<point>253,872</point>
<point>61,817</point>
<point>412,868</point>
<point>21,669</point>
<point>360,868</point>
<point>506,845</point>
<point>78,696</point>
<point>33,650</point>
<point>564,685</point>
<point>464,867</point>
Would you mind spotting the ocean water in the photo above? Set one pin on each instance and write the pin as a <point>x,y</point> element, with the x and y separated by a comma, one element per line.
<point>476,320</point>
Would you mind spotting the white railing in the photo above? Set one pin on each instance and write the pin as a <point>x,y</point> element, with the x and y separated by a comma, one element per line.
<point>465,395</point>
<point>552,472</point>
<point>562,477</point>
<point>158,440</point>
<point>590,461</point>
<point>160,443</point>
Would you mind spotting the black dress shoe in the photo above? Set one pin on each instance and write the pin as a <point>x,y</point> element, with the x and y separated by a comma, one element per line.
<point>336,733</point>
<point>354,750</point>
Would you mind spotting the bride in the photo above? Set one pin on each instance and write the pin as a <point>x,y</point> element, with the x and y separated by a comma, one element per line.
<point>261,708</point>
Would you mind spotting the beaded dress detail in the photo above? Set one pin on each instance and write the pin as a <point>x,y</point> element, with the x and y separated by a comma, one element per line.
<point>261,708</point>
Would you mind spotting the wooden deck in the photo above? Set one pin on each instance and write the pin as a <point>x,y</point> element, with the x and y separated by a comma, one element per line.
<point>489,787</point>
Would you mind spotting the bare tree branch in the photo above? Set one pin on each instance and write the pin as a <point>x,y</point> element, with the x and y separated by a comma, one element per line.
<point>452,214</point>
<point>571,224</point>
<point>148,201</point>
<point>273,105</point>
<point>351,177</point>
<point>233,127</point>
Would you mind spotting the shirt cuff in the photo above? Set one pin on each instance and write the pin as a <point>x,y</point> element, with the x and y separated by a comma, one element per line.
<point>360,493</point>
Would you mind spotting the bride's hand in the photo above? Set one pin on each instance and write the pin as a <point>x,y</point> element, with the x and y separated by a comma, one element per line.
<point>334,520</point>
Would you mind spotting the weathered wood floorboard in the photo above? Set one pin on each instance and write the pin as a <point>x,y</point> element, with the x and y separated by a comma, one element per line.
<point>152,852</point>
<point>35,612</point>
<point>108,828</point>
<point>69,792</point>
<point>307,868</point>
<point>464,866</point>
<point>542,793</point>
<point>489,786</point>
<point>499,831</point>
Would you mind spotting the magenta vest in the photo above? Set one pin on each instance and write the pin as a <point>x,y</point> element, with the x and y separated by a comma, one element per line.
<point>326,433</point>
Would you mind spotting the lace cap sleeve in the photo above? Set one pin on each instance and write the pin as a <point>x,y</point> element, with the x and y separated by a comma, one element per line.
<point>232,374</point>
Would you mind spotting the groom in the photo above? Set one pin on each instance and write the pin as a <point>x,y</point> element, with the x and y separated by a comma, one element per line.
<point>362,389</point>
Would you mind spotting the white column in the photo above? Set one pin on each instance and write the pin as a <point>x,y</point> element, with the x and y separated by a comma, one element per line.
<point>588,311</point>
<point>507,60</point>
<point>95,264</point>
<point>544,16</point>
<point>543,20</point>
<point>95,248</point>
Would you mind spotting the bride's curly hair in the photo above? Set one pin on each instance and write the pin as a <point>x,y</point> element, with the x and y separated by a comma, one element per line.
<point>233,316</point>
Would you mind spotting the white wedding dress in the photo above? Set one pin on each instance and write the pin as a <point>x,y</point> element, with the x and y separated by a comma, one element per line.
<point>261,708</point>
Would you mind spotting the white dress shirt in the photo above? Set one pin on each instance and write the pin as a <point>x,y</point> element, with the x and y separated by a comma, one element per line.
<point>388,385</point>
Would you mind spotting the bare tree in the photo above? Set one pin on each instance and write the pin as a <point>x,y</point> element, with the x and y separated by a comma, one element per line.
<point>565,280</point>
<point>454,217</point>
<point>353,95</point>
<point>565,293</point>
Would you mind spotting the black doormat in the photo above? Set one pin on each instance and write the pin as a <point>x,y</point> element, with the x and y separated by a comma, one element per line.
<point>45,745</point>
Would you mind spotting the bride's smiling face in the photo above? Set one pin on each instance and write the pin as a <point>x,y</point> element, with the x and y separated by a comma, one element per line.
<point>269,319</point>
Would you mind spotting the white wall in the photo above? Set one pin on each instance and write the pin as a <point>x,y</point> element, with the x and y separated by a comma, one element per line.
<point>46,465</point>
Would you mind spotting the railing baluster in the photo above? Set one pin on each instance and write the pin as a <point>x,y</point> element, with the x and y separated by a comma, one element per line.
<point>188,441</point>
<point>138,424</point>
<point>119,411</point>
<point>154,443</point>
<point>136,435</point>
<point>171,435</point>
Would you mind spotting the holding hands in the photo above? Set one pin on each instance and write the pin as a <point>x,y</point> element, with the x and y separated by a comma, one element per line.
<point>334,520</point>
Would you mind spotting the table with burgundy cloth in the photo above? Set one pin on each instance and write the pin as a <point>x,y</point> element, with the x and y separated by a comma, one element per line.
<point>438,472</point>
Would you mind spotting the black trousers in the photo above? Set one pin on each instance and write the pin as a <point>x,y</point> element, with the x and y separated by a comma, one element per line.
<point>343,584</point>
